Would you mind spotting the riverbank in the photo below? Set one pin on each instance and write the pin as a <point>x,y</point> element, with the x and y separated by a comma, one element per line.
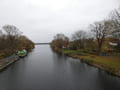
<point>8,61</point>
<point>5,62</point>
<point>111,64</point>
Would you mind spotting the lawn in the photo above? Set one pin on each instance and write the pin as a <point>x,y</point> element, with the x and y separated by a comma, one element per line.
<point>78,52</point>
<point>111,63</point>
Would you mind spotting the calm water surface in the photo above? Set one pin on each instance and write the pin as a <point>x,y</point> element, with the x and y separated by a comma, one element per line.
<point>43,69</point>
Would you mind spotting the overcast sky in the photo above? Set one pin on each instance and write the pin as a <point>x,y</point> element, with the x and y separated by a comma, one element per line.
<point>40,20</point>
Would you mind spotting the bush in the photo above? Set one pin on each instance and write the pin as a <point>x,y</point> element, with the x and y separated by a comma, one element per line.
<point>89,61</point>
<point>12,41</point>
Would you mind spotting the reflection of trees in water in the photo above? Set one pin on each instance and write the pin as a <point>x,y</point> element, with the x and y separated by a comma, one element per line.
<point>59,56</point>
<point>14,74</point>
<point>109,82</point>
<point>96,78</point>
<point>85,76</point>
<point>79,72</point>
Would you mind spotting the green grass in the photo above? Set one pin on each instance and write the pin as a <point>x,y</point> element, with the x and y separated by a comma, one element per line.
<point>80,52</point>
<point>111,63</point>
<point>89,61</point>
<point>108,61</point>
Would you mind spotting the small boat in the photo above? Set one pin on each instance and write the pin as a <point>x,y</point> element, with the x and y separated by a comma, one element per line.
<point>22,53</point>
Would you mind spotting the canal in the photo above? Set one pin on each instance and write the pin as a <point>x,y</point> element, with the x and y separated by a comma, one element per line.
<point>43,69</point>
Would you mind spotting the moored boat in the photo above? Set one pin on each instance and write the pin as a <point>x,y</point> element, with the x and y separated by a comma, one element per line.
<point>22,53</point>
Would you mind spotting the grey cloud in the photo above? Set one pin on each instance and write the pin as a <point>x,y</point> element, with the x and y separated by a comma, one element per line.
<point>40,20</point>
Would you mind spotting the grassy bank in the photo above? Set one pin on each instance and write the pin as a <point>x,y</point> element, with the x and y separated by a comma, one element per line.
<point>111,64</point>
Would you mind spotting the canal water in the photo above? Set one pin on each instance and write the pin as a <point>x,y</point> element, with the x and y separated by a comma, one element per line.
<point>43,69</point>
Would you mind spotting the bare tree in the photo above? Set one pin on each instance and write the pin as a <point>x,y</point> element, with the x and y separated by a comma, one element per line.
<point>1,33</point>
<point>79,35</point>
<point>101,30</point>
<point>79,38</point>
<point>12,33</point>
<point>60,40</point>
<point>11,30</point>
<point>12,41</point>
<point>115,20</point>
<point>115,15</point>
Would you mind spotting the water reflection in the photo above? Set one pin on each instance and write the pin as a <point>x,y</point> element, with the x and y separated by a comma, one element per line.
<point>43,69</point>
<point>86,77</point>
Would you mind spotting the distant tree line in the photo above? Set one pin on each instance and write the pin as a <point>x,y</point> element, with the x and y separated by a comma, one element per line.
<point>12,40</point>
<point>103,36</point>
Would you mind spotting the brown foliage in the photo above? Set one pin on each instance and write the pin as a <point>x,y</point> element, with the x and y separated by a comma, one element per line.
<point>12,41</point>
<point>60,41</point>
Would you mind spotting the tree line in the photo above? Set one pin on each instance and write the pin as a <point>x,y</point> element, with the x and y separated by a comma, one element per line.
<point>12,40</point>
<point>103,36</point>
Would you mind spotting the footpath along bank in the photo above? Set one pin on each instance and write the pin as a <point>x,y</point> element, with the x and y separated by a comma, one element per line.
<point>11,59</point>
